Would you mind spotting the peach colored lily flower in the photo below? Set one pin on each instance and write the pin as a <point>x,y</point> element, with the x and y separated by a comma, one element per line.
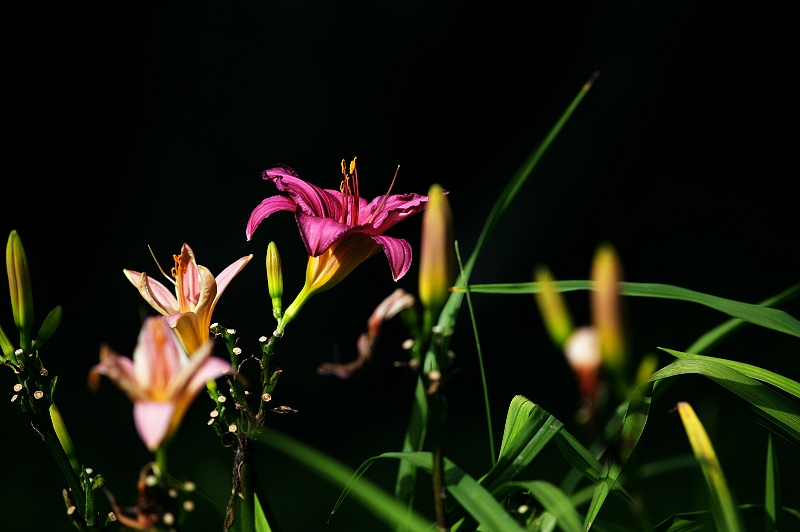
<point>161,380</point>
<point>340,229</point>
<point>196,294</point>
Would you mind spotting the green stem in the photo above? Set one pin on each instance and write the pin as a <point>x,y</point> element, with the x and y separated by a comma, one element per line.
<point>435,401</point>
<point>161,459</point>
<point>247,521</point>
<point>45,429</point>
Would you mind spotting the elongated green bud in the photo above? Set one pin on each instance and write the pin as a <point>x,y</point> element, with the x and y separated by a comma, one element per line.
<point>6,345</point>
<point>437,264</point>
<point>607,307</point>
<point>19,285</point>
<point>552,307</point>
<point>274,279</point>
<point>63,436</point>
<point>49,327</point>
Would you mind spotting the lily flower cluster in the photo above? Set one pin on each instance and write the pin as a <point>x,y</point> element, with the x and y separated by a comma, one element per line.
<point>173,360</point>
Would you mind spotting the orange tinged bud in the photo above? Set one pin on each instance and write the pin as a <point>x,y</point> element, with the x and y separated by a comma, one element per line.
<point>437,255</point>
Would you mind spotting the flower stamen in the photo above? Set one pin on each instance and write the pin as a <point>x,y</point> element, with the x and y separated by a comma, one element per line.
<point>385,197</point>
<point>350,195</point>
<point>170,278</point>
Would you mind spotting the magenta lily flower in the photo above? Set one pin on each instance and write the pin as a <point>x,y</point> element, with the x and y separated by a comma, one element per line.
<point>196,294</point>
<point>161,379</point>
<point>340,229</point>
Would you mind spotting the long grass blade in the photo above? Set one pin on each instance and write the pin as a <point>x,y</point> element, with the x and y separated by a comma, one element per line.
<point>723,508</point>
<point>715,335</point>
<point>766,406</point>
<point>770,318</point>
<point>779,381</point>
<point>371,497</point>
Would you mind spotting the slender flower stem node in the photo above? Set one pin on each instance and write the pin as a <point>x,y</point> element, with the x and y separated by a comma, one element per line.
<point>274,279</point>
<point>19,285</point>
<point>339,229</point>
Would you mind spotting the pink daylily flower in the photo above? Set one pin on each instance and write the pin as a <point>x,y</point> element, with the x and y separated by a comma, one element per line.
<point>326,216</point>
<point>196,294</point>
<point>340,229</point>
<point>161,379</point>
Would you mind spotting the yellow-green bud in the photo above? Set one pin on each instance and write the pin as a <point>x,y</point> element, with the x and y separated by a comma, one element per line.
<point>553,308</point>
<point>437,265</point>
<point>63,436</point>
<point>274,279</point>
<point>6,345</point>
<point>19,285</point>
<point>49,327</point>
<point>607,307</point>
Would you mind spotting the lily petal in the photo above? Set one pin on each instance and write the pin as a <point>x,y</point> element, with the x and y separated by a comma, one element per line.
<point>153,420</point>
<point>398,251</point>
<point>156,294</point>
<point>267,207</point>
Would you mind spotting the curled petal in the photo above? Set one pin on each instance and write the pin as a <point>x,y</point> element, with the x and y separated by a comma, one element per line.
<point>398,251</point>
<point>393,209</point>
<point>156,294</point>
<point>311,199</point>
<point>266,208</point>
<point>120,371</point>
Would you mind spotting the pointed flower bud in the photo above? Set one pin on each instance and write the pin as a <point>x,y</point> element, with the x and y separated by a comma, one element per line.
<point>606,275</point>
<point>275,279</point>
<point>553,308</point>
<point>6,345</point>
<point>437,253</point>
<point>49,327</point>
<point>19,284</point>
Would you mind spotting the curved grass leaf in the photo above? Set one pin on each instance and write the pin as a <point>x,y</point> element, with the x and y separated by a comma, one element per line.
<point>371,497</point>
<point>768,407</point>
<point>529,428</point>
<point>712,337</point>
<point>779,381</point>
<point>770,318</point>
<point>468,492</point>
<point>723,508</point>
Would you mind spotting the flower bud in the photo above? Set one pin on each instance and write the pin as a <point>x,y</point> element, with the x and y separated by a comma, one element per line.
<point>49,327</point>
<point>607,307</point>
<point>437,253</point>
<point>6,345</point>
<point>274,279</point>
<point>19,285</point>
<point>63,436</point>
<point>552,307</point>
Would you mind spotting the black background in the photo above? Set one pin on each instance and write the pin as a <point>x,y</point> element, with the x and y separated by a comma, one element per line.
<point>135,124</point>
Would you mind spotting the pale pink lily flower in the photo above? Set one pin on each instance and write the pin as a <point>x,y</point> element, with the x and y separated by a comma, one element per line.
<point>161,379</point>
<point>197,291</point>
